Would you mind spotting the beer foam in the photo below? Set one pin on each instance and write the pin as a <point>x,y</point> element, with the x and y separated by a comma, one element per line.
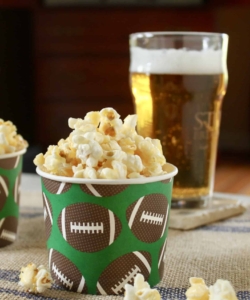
<point>177,61</point>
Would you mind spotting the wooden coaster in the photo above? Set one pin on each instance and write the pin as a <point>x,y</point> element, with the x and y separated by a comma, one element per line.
<point>219,209</point>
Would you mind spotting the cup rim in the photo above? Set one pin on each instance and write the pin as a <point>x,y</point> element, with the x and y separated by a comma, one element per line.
<point>172,172</point>
<point>13,154</point>
<point>178,33</point>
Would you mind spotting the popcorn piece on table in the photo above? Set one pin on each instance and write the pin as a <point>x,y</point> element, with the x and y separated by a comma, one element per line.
<point>102,146</point>
<point>221,290</point>
<point>35,279</point>
<point>10,141</point>
<point>198,289</point>
<point>141,290</point>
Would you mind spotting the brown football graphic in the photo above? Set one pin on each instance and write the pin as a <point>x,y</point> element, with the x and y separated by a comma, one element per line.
<point>47,216</point>
<point>147,217</point>
<point>122,271</point>
<point>65,273</point>
<point>102,190</point>
<point>8,229</point>
<point>16,188</point>
<point>9,163</point>
<point>4,190</point>
<point>89,227</point>
<point>161,260</point>
<point>56,187</point>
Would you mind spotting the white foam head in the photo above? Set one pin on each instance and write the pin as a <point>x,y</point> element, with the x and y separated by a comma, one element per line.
<point>177,61</point>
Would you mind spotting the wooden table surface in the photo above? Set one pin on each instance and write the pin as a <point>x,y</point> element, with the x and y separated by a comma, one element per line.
<point>233,175</point>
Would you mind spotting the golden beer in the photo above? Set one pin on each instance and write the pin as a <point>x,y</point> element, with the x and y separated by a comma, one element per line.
<point>184,112</point>
<point>178,81</point>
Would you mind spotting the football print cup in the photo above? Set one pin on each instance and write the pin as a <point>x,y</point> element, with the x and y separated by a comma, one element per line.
<point>10,176</point>
<point>101,233</point>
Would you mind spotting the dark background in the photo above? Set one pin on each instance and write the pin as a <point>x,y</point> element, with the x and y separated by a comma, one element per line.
<point>58,62</point>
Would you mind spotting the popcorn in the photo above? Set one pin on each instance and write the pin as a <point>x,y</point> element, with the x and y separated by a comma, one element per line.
<point>127,145</point>
<point>56,163</point>
<point>93,117</point>
<point>101,146</point>
<point>109,114</point>
<point>141,290</point>
<point>35,279</point>
<point>134,163</point>
<point>120,168</point>
<point>221,290</point>
<point>135,175</point>
<point>198,289</point>
<point>10,141</point>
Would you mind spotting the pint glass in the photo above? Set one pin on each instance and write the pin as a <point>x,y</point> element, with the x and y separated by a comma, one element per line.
<point>178,81</point>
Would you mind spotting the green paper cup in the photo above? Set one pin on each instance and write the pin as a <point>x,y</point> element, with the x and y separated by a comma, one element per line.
<point>10,177</point>
<point>101,233</point>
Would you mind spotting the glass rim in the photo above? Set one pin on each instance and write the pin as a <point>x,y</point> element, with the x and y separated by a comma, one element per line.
<point>171,173</point>
<point>178,33</point>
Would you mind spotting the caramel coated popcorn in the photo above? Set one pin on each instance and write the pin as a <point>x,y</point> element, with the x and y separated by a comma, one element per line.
<point>103,146</point>
<point>10,141</point>
<point>221,290</point>
<point>141,290</point>
<point>35,279</point>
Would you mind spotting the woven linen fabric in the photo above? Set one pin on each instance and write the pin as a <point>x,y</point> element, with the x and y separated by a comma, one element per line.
<point>219,250</point>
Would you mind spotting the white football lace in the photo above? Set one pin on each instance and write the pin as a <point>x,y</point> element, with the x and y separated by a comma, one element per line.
<point>156,219</point>
<point>8,235</point>
<point>65,281</point>
<point>86,227</point>
<point>128,278</point>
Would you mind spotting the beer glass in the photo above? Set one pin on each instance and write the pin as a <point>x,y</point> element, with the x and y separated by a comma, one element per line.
<point>178,81</point>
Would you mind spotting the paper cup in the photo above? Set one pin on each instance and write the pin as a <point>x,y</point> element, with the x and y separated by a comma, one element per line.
<point>101,233</point>
<point>10,177</point>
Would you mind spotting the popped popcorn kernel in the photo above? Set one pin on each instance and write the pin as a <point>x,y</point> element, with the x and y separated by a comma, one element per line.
<point>141,290</point>
<point>39,160</point>
<point>149,153</point>
<point>107,173</point>
<point>109,114</point>
<point>78,171</point>
<point>221,290</point>
<point>96,136</point>
<point>130,121</point>
<point>102,146</point>
<point>10,141</point>
<point>134,163</point>
<point>135,175</point>
<point>90,173</point>
<point>35,279</point>
<point>127,145</point>
<point>108,129</point>
<point>110,145</point>
<point>120,168</point>
<point>198,289</point>
<point>148,294</point>
<point>115,155</point>
<point>93,117</point>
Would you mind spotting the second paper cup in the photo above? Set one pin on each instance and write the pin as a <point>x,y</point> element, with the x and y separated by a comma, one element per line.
<point>10,177</point>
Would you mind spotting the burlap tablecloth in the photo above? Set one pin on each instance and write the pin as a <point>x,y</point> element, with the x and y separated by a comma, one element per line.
<point>219,250</point>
